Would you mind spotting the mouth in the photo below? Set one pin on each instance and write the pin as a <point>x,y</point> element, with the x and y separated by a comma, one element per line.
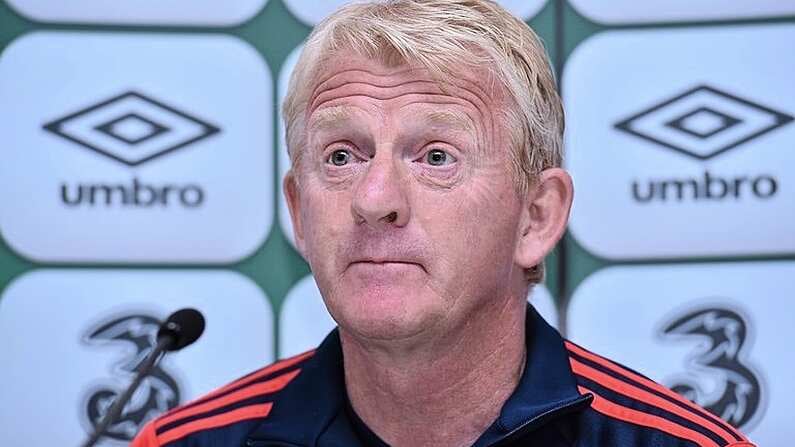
<point>386,262</point>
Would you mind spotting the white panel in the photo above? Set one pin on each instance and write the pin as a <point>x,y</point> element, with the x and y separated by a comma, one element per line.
<point>54,360</point>
<point>140,12</point>
<point>628,11</point>
<point>718,329</point>
<point>679,142</point>
<point>135,148</point>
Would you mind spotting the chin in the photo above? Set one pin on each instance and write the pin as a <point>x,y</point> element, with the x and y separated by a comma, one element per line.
<point>386,313</point>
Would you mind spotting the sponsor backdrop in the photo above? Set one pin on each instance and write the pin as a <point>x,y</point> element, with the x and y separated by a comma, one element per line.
<point>141,152</point>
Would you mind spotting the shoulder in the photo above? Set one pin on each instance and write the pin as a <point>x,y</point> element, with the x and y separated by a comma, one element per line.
<point>631,409</point>
<point>226,413</point>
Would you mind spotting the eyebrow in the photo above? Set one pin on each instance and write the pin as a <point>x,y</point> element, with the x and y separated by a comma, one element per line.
<point>329,118</point>
<point>448,118</point>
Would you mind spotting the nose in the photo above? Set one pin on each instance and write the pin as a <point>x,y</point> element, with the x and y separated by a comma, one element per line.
<point>379,198</point>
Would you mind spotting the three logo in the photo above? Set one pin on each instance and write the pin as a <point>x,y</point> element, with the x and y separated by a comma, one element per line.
<point>721,355</point>
<point>135,335</point>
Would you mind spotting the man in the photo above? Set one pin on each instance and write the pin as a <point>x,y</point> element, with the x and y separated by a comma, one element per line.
<point>425,139</point>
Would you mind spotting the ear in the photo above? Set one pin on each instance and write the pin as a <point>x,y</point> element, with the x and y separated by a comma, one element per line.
<point>544,216</point>
<point>292,195</point>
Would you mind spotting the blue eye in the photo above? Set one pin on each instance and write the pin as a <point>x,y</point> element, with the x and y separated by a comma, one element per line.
<point>438,157</point>
<point>339,157</point>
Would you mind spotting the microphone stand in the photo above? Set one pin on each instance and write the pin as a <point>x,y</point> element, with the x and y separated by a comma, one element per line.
<point>164,342</point>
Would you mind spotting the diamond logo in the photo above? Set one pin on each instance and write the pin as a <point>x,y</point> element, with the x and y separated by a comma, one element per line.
<point>703,122</point>
<point>87,147</point>
<point>698,150</point>
<point>131,128</point>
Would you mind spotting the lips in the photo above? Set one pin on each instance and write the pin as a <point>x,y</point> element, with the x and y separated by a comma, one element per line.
<point>383,274</point>
<point>386,262</point>
<point>383,250</point>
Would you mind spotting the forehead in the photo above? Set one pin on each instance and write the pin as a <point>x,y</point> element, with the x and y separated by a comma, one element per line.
<point>348,76</point>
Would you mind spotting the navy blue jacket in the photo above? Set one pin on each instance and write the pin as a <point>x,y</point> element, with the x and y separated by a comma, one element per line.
<point>567,396</point>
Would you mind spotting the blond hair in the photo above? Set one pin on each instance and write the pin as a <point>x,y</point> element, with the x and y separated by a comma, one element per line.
<point>441,36</point>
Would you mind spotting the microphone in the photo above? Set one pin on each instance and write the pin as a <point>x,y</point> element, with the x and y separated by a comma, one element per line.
<point>180,329</point>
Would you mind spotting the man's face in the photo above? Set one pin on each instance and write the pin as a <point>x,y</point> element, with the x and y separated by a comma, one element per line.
<point>405,207</point>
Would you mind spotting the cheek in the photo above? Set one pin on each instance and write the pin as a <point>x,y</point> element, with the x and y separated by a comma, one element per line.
<point>324,215</point>
<point>476,227</point>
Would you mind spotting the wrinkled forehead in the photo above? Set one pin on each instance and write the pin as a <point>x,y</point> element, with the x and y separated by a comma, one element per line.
<point>344,69</point>
<point>408,93</point>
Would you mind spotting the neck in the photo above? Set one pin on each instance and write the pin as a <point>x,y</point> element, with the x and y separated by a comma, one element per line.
<point>445,392</point>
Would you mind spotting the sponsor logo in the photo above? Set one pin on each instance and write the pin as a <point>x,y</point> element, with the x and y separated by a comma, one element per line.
<point>126,128</point>
<point>721,353</point>
<point>125,153</point>
<point>707,186</point>
<point>135,335</point>
<point>135,193</point>
<point>704,122</point>
<point>79,334</point>
<point>132,129</point>
<point>714,332</point>
<point>695,153</point>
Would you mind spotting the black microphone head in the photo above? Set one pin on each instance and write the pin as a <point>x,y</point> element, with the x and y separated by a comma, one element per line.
<point>183,326</point>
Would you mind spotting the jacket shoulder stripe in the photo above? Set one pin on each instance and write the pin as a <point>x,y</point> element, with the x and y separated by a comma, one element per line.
<point>231,417</point>
<point>253,377</point>
<point>636,417</point>
<point>638,394</point>
<point>641,382</point>
<point>270,386</point>
<point>244,381</point>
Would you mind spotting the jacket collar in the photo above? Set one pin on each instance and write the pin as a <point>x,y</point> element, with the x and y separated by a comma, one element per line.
<point>310,411</point>
<point>547,388</point>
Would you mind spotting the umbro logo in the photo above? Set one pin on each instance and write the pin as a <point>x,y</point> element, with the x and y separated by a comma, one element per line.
<point>131,128</point>
<point>703,122</point>
<point>139,163</point>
